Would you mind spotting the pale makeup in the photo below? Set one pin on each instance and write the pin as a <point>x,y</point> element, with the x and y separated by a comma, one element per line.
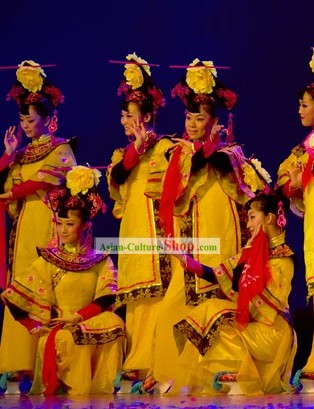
<point>33,124</point>
<point>130,117</point>
<point>256,219</point>
<point>70,229</point>
<point>198,125</point>
<point>306,110</point>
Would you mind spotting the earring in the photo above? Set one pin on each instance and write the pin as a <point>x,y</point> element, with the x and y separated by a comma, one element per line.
<point>88,242</point>
<point>19,134</point>
<point>281,220</point>
<point>230,136</point>
<point>53,124</point>
<point>54,239</point>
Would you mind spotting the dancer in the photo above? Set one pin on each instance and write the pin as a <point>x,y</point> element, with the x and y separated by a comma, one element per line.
<point>247,336</point>
<point>135,184</point>
<point>206,186</point>
<point>65,298</point>
<point>295,181</point>
<point>37,168</point>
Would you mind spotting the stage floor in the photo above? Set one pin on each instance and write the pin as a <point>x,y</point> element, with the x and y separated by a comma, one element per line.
<point>284,401</point>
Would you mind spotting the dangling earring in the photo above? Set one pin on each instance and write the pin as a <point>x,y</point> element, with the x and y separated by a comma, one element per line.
<point>281,220</point>
<point>154,119</point>
<point>53,124</point>
<point>19,134</point>
<point>54,240</point>
<point>230,136</point>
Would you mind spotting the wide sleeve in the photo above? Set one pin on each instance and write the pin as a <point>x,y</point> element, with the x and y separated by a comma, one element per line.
<point>32,292</point>
<point>298,154</point>
<point>114,188</point>
<point>55,166</point>
<point>5,161</point>
<point>273,300</point>
<point>51,173</point>
<point>107,279</point>
<point>282,271</point>
<point>227,275</point>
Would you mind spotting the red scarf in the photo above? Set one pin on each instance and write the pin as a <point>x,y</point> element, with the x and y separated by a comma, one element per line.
<point>170,193</point>
<point>308,173</point>
<point>49,371</point>
<point>254,277</point>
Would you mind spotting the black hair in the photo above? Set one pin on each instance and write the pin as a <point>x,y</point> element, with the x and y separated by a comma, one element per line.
<point>143,96</point>
<point>81,212</point>
<point>146,106</point>
<point>268,203</point>
<point>309,89</point>
<point>43,109</point>
<point>195,107</point>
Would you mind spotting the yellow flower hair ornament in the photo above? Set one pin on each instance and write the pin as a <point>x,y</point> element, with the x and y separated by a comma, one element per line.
<point>200,76</point>
<point>81,178</point>
<point>201,86</point>
<point>311,63</point>
<point>30,75</point>
<point>137,84</point>
<point>32,87</point>
<point>78,192</point>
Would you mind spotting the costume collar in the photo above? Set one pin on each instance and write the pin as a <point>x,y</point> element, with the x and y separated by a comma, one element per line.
<point>278,247</point>
<point>309,144</point>
<point>71,258</point>
<point>41,140</point>
<point>277,240</point>
<point>39,148</point>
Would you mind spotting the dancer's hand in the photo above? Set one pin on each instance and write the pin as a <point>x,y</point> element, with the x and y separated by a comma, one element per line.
<point>10,140</point>
<point>296,175</point>
<point>139,131</point>
<point>67,318</point>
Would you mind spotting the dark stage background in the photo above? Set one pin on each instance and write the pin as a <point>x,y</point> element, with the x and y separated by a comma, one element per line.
<point>267,44</point>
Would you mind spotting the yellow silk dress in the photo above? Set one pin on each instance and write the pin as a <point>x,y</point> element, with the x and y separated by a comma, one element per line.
<point>207,208</point>
<point>142,278</point>
<point>45,160</point>
<point>302,206</point>
<point>88,354</point>
<point>261,354</point>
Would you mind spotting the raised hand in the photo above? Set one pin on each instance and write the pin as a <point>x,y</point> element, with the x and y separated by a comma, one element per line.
<point>10,140</point>
<point>296,175</point>
<point>139,131</point>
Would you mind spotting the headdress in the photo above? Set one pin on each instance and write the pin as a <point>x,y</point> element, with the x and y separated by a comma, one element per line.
<point>32,86</point>
<point>255,176</point>
<point>78,192</point>
<point>310,87</point>
<point>138,85</point>
<point>201,86</point>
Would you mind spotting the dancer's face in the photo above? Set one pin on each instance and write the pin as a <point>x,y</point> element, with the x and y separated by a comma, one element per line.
<point>132,117</point>
<point>70,229</point>
<point>33,124</point>
<point>198,125</point>
<point>306,110</point>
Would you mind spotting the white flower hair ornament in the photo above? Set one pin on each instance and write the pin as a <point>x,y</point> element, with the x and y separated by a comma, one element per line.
<point>255,176</point>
